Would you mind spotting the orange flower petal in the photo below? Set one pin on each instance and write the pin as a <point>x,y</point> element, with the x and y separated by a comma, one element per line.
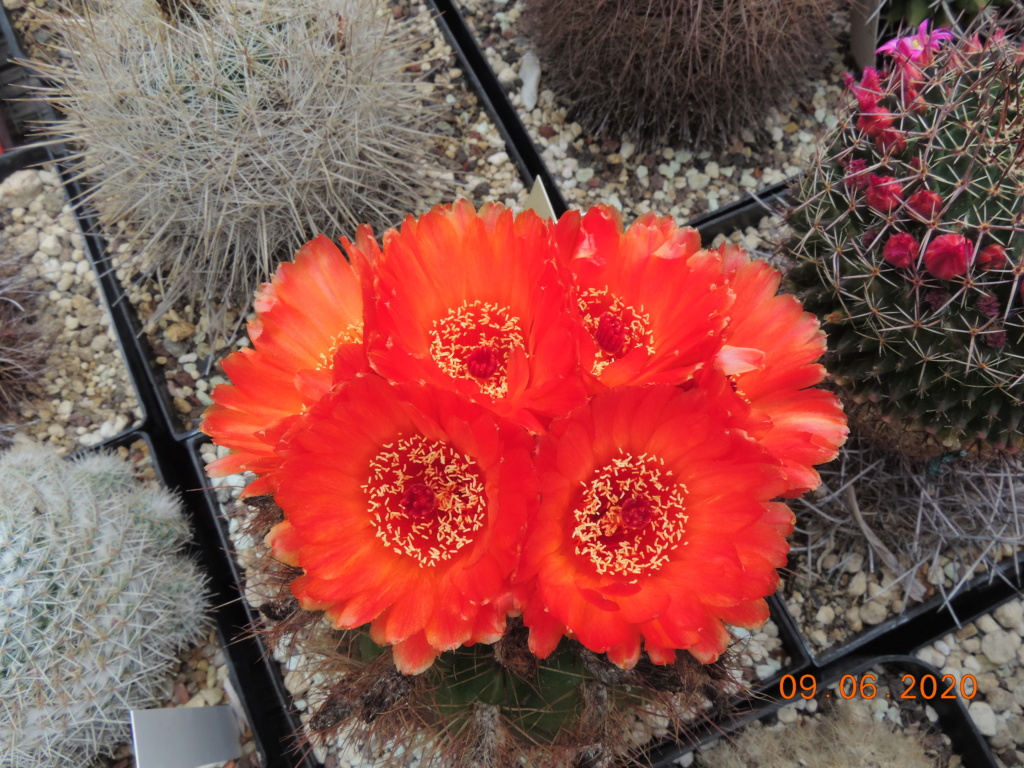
<point>808,425</point>
<point>310,314</point>
<point>654,305</point>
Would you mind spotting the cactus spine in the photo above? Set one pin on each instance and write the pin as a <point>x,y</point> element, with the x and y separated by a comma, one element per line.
<point>96,602</point>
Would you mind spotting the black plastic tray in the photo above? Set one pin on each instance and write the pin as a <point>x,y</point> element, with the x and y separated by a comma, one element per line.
<point>18,114</point>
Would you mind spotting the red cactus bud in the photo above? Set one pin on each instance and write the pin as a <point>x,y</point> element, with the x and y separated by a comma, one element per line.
<point>869,80</point>
<point>926,203</point>
<point>855,176</point>
<point>992,256</point>
<point>873,121</point>
<point>869,237</point>
<point>891,140</point>
<point>884,193</point>
<point>948,256</point>
<point>910,79</point>
<point>869,91</point>
<point>996,339</point>
<point>901,250</point>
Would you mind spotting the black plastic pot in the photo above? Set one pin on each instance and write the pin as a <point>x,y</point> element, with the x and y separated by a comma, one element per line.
<point>18,114</point>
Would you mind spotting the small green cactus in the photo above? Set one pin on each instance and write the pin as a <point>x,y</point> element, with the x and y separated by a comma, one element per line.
<point>909,239</point>
<point>96,602</point>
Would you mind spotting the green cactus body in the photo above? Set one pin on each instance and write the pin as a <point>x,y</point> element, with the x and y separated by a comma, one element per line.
<point>94,604</point>
<point>498,705</point>
<point>909,239</point>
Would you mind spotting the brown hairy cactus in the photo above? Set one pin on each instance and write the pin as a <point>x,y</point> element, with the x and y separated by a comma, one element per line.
<point>699,70</point>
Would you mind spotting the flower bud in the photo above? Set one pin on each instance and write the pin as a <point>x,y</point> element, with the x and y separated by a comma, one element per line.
<point>884,193</point>
<point>925,203</point>
<point>901,250</point>
<point>948,256</point>
<point>992,256</point>
<point>855,176</point>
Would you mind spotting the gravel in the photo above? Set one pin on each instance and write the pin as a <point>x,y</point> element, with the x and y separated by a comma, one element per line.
<point>85,394</point>
<point>992,650</point>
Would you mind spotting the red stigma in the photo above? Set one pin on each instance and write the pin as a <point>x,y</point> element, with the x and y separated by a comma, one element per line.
<point>419,501</point>
<point>483,362</point>
<point>636,512</point>
<point>611,333</point>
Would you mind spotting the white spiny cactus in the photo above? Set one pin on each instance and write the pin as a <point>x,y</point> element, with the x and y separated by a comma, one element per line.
<point>228,133</point>
<point>95,602</point>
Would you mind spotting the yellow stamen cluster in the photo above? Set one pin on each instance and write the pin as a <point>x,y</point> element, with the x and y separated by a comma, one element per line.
<point>460,505</point>
<point>455,337</point>
<point>595,302</point>
<point>353,334</point>
<point>603,538</point>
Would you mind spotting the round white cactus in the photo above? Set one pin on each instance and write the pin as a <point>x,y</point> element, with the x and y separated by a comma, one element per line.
<point>95,602</point>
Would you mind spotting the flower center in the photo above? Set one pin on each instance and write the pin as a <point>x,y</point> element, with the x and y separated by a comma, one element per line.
<point>419,501</point>
<point>475,342</point>
<point>616,327</point>
<point>483,362</point>
<point>630,517</point>
<point>425,500</point>
<point>353,334</point>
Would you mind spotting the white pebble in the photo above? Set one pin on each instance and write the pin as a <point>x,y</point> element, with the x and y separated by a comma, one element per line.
<point>49,245</point>
<point>984,717</point>
<point>529,72</point>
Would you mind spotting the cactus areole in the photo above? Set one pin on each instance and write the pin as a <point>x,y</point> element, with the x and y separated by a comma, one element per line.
<point>909,238</point>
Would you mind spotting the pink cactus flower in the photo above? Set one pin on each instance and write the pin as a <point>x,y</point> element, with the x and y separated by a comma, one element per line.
<point>919,47</point>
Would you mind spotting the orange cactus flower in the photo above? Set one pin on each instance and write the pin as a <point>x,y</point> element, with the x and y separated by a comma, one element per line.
<point>308,332</point>
<point>404,506</point>
<point>653,303</point>
<point>473,302</point>
<point>655,527</point>
<point>770,352</point>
